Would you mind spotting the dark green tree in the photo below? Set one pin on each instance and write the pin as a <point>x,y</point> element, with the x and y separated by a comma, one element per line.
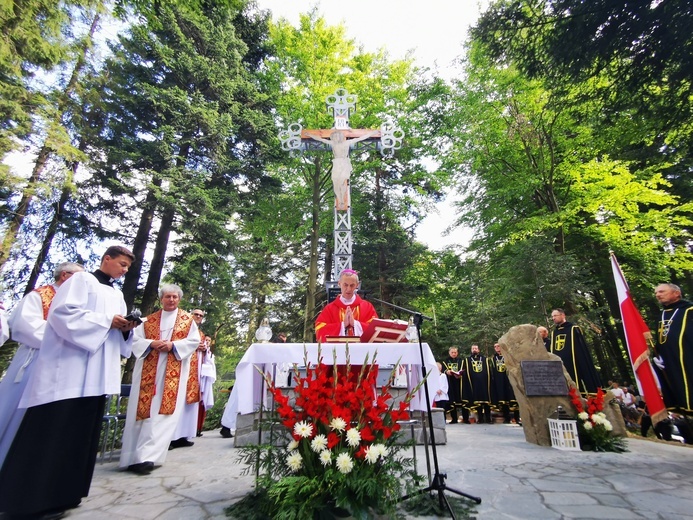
<point>186,123</point>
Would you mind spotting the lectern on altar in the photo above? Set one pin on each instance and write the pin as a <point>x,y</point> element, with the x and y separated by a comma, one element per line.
<point>377,331</point>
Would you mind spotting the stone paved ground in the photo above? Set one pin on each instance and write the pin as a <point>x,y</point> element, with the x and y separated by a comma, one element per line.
<point>514,479</point>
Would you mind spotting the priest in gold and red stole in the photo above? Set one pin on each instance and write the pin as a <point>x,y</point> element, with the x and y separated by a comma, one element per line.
<point>163,345</point>
<point>348,314</point>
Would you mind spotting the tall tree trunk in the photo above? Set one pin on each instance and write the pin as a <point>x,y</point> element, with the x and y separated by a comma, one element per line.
<point>329,258</point>
<point>151,288</point>
<point>58,213</point>
<point>308,332</point>
<point>139,247</point>
<point>23,206</point>
<point>44,153</point>
<point>381,225</point>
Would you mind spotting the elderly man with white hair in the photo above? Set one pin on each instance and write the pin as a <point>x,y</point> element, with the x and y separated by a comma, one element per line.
<point>163,345</point>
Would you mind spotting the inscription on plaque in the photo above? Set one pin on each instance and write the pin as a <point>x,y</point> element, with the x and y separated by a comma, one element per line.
<point>544,378</point>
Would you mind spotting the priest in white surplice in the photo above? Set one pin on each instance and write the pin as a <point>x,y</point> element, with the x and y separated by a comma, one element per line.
<point>27,322</point>
<point>51,461</point>
<point>163,345</point>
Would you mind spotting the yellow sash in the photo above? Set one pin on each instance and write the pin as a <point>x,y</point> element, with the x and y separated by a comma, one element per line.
<point>152,330</point>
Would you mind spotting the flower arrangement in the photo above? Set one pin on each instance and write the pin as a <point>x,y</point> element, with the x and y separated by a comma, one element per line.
<point>341,454</point>
<point>594,429</point>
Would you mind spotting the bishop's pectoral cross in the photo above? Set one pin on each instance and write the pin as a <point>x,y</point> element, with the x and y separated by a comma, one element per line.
<point>341,139</point>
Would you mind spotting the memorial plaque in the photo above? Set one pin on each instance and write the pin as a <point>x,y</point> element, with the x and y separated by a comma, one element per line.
<point>543,378</point>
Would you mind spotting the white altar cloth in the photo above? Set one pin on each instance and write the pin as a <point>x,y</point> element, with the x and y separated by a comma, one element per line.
<point>265,355</point>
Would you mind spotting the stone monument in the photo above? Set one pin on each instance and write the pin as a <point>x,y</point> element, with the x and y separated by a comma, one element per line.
<point>523,343</point>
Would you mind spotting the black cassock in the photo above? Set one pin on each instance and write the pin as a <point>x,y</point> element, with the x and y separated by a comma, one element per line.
<point>568,343</point>
<point>502,389</point>
<point>454,388</point>
<point>476,381</point>
<point>675,346</point>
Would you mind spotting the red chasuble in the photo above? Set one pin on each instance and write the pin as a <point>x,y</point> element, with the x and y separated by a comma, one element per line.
<point>329,322</point>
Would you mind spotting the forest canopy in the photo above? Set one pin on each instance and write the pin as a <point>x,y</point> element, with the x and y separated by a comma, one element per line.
<point>565,135</point>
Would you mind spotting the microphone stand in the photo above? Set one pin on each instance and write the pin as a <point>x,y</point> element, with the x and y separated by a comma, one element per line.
<point>438,481</point>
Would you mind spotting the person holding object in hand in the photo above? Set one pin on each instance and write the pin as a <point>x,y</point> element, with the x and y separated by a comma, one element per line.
<point>28,323</point>
<point>50,464</point>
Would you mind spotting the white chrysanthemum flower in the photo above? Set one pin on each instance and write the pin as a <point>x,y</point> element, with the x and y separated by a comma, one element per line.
<point>588,425</point>
<point>344,463</point>
<point>372,454</point>
<point>319,443</point>
<point>380,449</point>
<point>325,457</point>
<point>607,425</point>
<point>596,419</point>
<point>602,415</point>
<point>303,429</point>
<point>338,424</point>
<point>294,461</point>
<point>583,416</point>
<point>353,437</point>
<point>293,445</point>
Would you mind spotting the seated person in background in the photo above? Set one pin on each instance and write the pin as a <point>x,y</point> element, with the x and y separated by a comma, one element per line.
<point>348,314</point>
<point>628,399</point>
<point>617,391</point>
<point>631,414</point>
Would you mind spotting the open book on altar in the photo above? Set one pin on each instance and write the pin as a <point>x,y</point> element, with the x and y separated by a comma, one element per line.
<point>385,331</point>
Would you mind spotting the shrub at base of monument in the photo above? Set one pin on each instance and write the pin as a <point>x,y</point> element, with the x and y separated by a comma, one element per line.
<point>342,459</point>
<point>594,429</point>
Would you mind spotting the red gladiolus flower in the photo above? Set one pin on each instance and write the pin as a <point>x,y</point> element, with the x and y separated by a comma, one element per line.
<point>332,440</point>
<point>361,454</point>
<point>367,434</point>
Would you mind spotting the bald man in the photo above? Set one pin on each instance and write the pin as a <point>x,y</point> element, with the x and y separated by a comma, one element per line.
<point>675,349</point>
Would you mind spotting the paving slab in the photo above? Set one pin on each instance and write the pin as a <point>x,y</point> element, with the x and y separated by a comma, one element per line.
<point>514,479</point>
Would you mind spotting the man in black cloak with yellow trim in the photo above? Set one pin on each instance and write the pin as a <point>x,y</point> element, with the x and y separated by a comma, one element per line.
<point>476,385</point>
<point>503,395</point>
<point>568,343</point>
<point>674,361</point>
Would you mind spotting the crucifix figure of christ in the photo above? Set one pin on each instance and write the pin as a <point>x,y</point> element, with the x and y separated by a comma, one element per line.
<point>341,139</point>
<point>341,164</point>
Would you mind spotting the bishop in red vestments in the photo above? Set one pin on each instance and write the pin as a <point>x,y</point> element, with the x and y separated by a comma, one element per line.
<point>348,314</point>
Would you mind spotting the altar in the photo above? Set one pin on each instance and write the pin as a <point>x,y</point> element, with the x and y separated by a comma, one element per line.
<point>268,356</point>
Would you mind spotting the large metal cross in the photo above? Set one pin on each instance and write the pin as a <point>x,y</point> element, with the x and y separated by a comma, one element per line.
<point>341,139</point>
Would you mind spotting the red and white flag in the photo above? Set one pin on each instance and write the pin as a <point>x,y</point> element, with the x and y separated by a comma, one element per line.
<point>636,331</point>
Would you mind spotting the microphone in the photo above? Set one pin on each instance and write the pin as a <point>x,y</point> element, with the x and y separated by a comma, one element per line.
<point>135,315</point>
